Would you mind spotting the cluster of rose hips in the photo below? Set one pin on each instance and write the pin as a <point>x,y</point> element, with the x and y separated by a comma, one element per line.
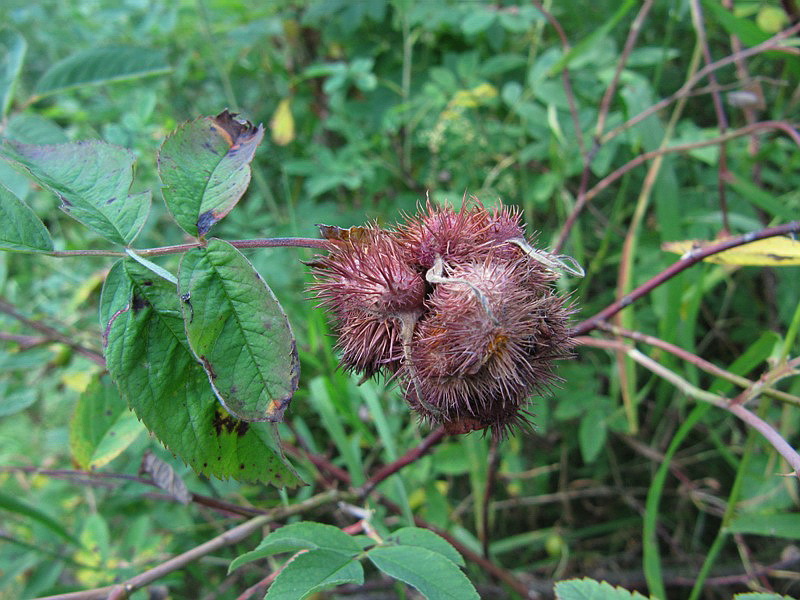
<point>458,306</point>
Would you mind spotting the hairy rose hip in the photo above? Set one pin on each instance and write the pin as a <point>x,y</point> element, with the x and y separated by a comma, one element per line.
<point>458,305</point>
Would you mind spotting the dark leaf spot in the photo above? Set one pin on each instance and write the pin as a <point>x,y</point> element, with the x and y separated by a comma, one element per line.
<point>242,428</point>
<point>241,466</point>
<point>139,302</point>
<point>205,222</point>
<point>111,200</point>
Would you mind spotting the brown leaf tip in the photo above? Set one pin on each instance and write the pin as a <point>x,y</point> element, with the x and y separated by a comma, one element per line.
<point>235,130</point>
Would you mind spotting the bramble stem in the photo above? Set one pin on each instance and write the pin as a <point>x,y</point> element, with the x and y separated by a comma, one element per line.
<point>689,259</point>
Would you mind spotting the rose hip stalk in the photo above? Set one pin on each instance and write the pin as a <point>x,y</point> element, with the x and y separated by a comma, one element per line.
<point>458,305</point>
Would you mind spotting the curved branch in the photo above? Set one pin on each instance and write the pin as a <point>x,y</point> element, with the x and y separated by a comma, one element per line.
<point>684,263</point>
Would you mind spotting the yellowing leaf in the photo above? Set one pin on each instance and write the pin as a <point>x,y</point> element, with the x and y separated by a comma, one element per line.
<point>77,382</point>
<point>282,123</point>
<point>770,252</point>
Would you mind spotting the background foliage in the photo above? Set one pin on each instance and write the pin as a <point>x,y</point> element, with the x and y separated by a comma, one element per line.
<point>370,105</point>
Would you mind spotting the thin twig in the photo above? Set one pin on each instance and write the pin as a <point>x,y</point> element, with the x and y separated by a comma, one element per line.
<point>487,565</point>
<point>573,109</point>
<point>775,439</point>
<point>55,335</point>
<point>409,457</point>
<point>696,360</point>
<point>227,538</point>
<point>491,475</point>
<point>684,263</point>
<point>772,43</point>
<point>642,158</point>
<point>722,119</point>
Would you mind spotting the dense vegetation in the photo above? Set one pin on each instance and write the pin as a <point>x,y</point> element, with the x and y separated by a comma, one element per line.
<point>619,130</point>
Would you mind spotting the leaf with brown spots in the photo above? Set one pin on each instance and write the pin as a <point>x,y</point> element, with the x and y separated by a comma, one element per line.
<point>149,358</point>
<point>238,332</point>
<point>205,168</point>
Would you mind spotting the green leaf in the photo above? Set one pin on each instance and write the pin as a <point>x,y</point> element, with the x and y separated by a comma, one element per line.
<point>148,356</point>
<point>783,525</point>
<point>12,504</point>
<point>92,180</point>
<point>16,399</point>
<point>425,538</point>
<point>305,535</point>
<point>20,228</point>
<point>238,331</point>
<point>586,45</point>
<point>102,427</point>
<point>592,432</point>
<point>205,168</point>
<point>30,128</point>
<point>747,31</point>
<point>97,66</point>
<point>760,596</point>
<point>589,589</point>
<point>313,571</point>
<point>478,21</point>
<point>12,55</point>
<point>762,198</point>
<point>431,573</point>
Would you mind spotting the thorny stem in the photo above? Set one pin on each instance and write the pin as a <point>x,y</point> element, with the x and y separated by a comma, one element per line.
<point>684,263</point>
<point>409,457</point>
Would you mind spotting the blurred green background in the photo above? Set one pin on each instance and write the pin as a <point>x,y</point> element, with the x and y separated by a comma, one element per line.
<point>371,105</point>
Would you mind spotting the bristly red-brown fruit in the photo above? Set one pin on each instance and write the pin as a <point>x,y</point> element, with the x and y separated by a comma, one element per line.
<point>368,286</point>
<point>489,339</point>
<point>457,304</point>
<point>460,236</point>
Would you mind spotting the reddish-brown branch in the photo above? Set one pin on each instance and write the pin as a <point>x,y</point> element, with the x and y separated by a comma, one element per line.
<point>573,109</point>
<point>409,457</point>
<point>684,263</point>
<point>770,44</point>
<point>52,334</point>
<point>630,42</point>
<point>722,119</point>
